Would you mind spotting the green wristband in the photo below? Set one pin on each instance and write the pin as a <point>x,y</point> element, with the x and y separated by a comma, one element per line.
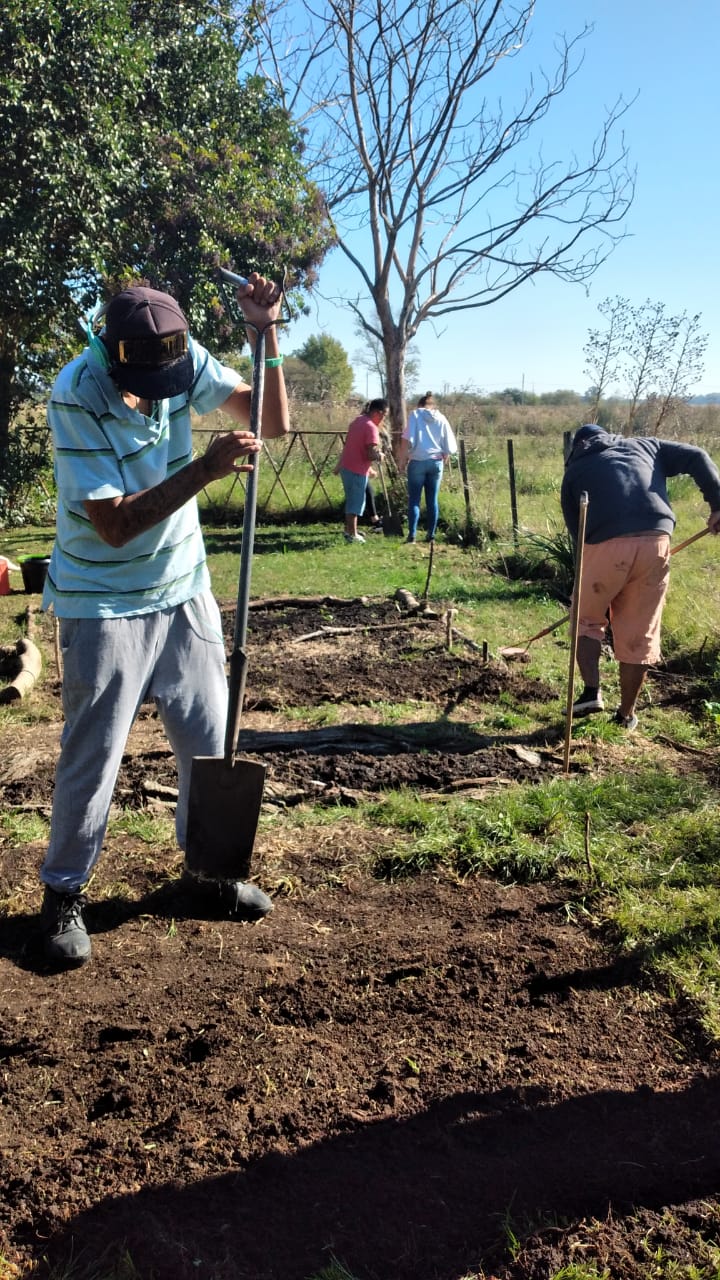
<point>273,362</point>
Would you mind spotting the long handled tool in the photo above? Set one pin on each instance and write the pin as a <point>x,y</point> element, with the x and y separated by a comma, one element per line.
<point>518,651</point>
<point>226,791</point>
<point>575,626</point>
<point>392,521</point>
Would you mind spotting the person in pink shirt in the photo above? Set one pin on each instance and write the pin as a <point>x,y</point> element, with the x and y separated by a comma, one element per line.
<point>361,449</point>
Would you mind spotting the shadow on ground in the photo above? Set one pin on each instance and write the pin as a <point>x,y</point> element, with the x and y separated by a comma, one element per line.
<point>426,1197</point>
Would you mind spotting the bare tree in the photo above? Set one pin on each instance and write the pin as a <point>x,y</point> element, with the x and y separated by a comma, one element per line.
<point>651,338</point>
<point>603,350</point>
<point>683,368</point>
<point>434,196</point>
<point>656,358</point>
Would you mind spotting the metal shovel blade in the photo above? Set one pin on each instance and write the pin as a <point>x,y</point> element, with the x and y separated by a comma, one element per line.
<point>226,791</point>
<point>223,812</point>
<point>392,521</point>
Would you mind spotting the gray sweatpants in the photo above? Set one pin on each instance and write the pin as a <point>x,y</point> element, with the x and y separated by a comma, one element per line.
<point>110,667</point>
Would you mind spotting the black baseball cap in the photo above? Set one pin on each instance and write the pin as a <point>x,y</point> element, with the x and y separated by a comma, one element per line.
<point>146,334</point>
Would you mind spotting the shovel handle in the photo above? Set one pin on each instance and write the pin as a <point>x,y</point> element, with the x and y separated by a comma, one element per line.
<point>231,278</point>
<point>681,545</point>
<point>574,626</point>
<point>547,630</point>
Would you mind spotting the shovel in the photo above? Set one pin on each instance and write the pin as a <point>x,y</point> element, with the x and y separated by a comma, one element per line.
<point>392,522</point>
<point>226,791</point>
<point>574,628</point>
<point>517,652</point>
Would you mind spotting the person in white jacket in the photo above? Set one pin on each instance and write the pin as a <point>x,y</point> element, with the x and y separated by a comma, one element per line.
<point>427,443</point>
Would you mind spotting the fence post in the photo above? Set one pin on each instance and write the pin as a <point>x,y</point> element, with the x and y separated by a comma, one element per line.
<point>462,458</point>
<point>567,440</point>
<point>513,491</point>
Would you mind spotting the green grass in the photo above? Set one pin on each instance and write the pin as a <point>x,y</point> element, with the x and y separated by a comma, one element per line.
<point>639,851</point>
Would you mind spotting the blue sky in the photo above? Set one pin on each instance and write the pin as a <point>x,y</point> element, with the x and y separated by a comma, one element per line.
<point>667,54</point>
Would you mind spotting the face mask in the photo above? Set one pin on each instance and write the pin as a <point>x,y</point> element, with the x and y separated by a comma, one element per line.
<point>96,345</point>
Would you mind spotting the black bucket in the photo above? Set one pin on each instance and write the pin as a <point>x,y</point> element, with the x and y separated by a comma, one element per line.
<point>34,572</point>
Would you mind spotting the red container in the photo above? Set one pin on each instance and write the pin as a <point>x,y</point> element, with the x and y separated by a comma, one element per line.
<point>4,577</point>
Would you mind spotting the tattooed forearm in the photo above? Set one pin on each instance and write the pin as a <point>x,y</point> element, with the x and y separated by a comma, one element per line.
<point>119,520</point>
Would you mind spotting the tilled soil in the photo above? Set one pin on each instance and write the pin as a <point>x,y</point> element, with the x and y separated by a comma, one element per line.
<point>426,1080</point>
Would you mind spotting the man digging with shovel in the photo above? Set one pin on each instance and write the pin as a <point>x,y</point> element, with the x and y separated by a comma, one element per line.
<point>626,561</point>
<point>128,577</point>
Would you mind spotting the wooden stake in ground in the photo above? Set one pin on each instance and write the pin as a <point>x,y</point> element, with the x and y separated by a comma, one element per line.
<point>429,573</point>
<point>574,623</point>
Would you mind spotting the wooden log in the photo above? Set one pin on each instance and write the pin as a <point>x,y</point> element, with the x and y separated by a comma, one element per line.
<point>407,600</point>
<point>30,663</point>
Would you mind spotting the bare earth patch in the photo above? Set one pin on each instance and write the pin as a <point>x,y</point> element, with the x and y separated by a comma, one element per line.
<point>388,1074</point>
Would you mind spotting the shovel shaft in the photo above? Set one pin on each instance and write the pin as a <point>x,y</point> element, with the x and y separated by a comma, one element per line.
<point>574,627</point>
<point>238,657</point>
<point>236,693</point>
<point>248,529</point>
<point>384,487</point>
<point>688,541</point>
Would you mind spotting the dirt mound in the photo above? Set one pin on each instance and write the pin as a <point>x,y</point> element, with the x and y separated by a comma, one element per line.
<point>405,1076</point>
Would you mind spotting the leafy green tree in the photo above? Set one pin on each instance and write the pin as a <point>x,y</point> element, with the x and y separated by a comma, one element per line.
<point>227,183</point>
<point>67,77</point>
<point>328,360</point>
<point>133,151</point>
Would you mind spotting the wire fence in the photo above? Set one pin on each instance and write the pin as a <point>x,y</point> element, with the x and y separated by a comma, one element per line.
<point>298,476</point>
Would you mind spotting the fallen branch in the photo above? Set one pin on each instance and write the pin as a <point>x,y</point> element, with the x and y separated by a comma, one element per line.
<point>301,602</point>
<point>479,648</point>
<point>684,746</point>
<point>371,626</point>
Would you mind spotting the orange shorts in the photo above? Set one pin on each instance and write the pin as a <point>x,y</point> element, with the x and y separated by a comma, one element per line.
<point>629,578</point>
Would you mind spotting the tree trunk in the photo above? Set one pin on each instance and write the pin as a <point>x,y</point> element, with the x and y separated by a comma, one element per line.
<point>8,360</point>
<point>395,365</point>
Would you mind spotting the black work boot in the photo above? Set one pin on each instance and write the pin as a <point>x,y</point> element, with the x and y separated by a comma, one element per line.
<point>66,938</point>
<point>228,899</point>
<point>242,901</point>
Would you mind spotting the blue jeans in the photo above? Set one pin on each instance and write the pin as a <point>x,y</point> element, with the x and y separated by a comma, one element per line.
<point>355,487</point>
<point>424,476</point>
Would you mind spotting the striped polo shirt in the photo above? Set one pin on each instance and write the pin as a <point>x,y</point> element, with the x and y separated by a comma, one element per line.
<point>103,449</point>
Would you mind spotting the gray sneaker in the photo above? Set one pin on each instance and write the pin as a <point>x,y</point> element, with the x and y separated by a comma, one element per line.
<point>66,937</point>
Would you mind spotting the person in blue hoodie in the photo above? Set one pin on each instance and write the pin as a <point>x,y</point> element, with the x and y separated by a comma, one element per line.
<point>626,557</point>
